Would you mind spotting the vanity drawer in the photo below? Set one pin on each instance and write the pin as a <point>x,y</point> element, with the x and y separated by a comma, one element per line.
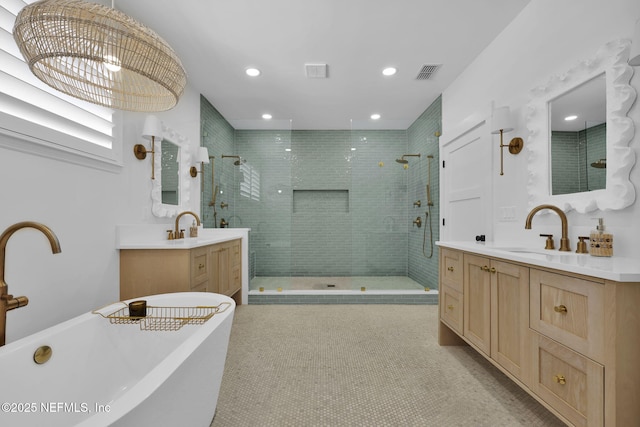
<point>451,308</point>
<point>451,268</point>
<point>199,264</point>
<point>568,310</point>
<point>569,382</point>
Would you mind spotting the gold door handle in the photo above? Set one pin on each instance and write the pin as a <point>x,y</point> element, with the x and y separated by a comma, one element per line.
<point>450,268</point>
<point>560,379</point>
<point>450,307</point>
<point>560,308</point>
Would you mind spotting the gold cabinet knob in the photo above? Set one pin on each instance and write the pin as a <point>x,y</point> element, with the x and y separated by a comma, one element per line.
<point>484,268</point>
<point>450,268</point>
<point>560,379</point>
<point>492,269</point>
<point>200,266</point>
<point>450,307</point>
<point>560,308</point>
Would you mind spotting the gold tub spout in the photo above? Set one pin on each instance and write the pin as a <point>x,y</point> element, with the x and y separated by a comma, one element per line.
<point>7,301</point>
<point>564,240</point>
<point>178,234</point>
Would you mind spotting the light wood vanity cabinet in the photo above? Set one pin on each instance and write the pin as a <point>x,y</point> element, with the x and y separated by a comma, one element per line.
<point>451,302</point>
<point>567,319</point>
<point>225,258</point>
<point>496,312</point>
<point>212,268</point>
<point>571,341</point>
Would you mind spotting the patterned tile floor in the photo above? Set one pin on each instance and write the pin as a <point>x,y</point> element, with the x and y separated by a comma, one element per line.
<point>361,365</point>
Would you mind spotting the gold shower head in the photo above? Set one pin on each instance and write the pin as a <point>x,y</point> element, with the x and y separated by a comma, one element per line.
<point>404,161</point>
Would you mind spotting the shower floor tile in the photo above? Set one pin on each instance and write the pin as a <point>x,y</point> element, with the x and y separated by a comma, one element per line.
<point>329,284</point>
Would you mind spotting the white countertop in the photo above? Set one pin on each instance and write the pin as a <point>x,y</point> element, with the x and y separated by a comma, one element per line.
<point>615,268</point>
<point>155,237</point>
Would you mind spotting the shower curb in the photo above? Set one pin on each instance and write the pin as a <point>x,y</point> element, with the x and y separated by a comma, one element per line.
<point>283,298</point>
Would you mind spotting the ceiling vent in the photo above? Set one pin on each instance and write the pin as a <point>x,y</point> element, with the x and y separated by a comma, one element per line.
<point>316,71</point>
<point>427,72</point>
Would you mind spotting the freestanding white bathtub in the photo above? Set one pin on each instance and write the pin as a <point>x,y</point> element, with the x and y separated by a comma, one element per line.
<point>103,374</point>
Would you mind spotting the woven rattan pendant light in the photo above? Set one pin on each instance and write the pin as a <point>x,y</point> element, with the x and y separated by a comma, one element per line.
<point>100,55</point>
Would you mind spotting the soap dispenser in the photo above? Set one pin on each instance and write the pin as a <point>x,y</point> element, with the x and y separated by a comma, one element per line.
<point>193,230</point>
<point>601,242</point>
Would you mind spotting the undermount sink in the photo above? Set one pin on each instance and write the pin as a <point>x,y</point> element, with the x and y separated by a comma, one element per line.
<point>533,251</point>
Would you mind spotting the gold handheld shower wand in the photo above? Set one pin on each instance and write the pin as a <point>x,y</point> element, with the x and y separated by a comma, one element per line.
<point>429,201</point>
<point>428,212</point>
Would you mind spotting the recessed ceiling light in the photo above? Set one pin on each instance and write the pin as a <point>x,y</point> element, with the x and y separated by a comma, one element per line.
<point>252,72</point>
<point>267,116</point>
<point>375,116</point>
<point>569,118</point>
<point>389,71</point>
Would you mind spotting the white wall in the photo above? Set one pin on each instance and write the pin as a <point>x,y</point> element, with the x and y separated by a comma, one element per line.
<point>82,206</point>
<point>546,39</point>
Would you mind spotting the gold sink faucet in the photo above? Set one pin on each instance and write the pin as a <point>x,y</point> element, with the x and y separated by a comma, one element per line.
<point>178,234</point>
<point>7,301</point>
<point>564,240</point>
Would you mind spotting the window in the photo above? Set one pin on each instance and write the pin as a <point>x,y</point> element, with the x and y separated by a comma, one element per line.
<point>250,184</point>
<point>51,122</point>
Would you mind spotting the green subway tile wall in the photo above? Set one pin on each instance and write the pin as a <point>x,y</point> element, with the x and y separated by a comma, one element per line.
<point>328,202</point>
<point>572,154</point>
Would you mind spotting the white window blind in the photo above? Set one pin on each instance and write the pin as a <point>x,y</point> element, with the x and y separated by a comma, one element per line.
<point>250,184</point>
<point>33,111</point>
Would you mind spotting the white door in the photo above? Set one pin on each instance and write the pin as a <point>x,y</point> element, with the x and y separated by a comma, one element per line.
<point>466,196</point>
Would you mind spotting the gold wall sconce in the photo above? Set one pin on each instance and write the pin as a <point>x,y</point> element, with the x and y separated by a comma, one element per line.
<point>202,157</point>
<point>501,124</point>
<point>152,130</point>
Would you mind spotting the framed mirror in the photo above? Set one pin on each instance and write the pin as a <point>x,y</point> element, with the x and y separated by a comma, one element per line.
<point>170,189</point>
<point>602,140</point>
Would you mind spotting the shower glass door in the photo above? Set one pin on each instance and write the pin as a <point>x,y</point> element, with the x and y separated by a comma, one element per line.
<point>261,198</point>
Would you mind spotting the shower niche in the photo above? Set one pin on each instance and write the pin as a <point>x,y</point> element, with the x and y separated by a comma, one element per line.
<point>320,202</point>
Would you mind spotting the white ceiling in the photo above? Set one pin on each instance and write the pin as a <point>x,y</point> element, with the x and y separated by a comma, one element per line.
<point>218,39</point>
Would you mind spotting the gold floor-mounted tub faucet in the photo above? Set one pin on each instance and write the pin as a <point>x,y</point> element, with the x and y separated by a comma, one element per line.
<point>564,240</point>
<point>7,301</point>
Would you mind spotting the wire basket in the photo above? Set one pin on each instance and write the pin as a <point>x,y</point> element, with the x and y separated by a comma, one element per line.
<point>165,318</point>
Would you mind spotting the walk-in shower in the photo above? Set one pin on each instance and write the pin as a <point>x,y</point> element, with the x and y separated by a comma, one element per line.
<point>329,212</point>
